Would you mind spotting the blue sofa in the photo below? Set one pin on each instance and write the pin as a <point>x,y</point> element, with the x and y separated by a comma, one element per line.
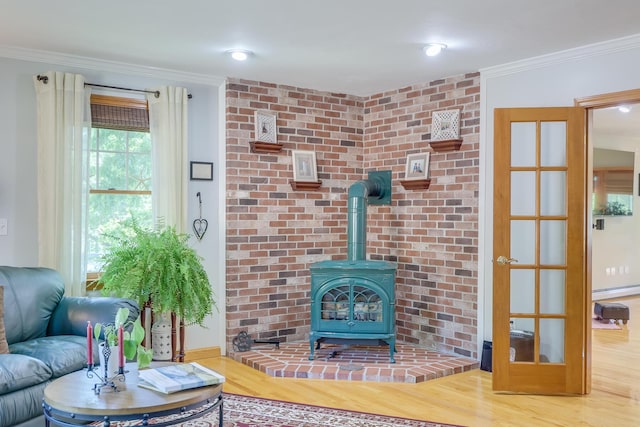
<point>46,333</point>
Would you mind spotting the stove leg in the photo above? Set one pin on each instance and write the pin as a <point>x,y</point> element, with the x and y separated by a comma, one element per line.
<point>312,343</point>
<point>392,350</point>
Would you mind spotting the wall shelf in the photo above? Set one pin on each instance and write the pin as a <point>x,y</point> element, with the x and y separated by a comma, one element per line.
<point>305,185</point>
<point>416,184</point>
<point>265,147</point>
<point>446,145</point>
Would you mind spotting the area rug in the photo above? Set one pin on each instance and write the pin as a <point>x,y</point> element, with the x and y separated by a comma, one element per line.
<point>603,324</point>
<point>245,411</point>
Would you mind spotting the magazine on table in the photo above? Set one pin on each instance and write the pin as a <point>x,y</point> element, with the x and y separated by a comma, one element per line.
<point>178,376</point>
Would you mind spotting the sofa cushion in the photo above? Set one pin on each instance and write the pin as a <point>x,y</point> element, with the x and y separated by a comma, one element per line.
<point>22,405</point>
<point>62,354</point>
<point>71,315</point>
<point>4,347</point>
<point>30,296</point>
<point>18,371</point>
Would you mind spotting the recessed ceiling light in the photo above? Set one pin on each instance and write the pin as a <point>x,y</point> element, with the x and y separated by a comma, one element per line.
<point>239,54</point>
<point>624,109</point>
<point>433,49</point>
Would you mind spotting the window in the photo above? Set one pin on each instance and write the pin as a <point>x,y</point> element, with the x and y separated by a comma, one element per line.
<point>119,169</point>
<point>612,191</point>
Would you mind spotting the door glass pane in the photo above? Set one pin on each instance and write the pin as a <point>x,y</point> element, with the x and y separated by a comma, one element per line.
<point>523,144</point>
<point>367,304</point>
<point>552,291</point>
<point>523,291</point>
<point>551,340</point>
<point>523,193</point>
<point>523,241</point>
<point>522,340</point>
<point>553,144</point>
<point>552,193</point>
<point>336,303</point>
<point>552,242</point>
<point>527,324</point>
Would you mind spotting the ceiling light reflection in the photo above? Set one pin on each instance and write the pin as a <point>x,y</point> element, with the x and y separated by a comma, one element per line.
<point>433,49</point>
<point>239,54</point>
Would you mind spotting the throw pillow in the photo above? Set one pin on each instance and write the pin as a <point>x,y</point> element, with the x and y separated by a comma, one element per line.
<point>4,346</point>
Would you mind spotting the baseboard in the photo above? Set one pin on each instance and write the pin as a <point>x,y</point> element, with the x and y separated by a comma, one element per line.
<point>201,353</point>
<point>622,291</point>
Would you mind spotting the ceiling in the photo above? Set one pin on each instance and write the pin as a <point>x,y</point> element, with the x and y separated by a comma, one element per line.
<point>358,47</point>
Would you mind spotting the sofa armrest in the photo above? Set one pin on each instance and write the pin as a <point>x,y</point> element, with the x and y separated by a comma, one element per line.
<point>71,315</point>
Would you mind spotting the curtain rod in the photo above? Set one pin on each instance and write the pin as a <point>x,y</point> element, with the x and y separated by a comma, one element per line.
<point>156,93</point>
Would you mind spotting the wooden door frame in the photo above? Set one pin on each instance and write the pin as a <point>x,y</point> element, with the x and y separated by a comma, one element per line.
<point>608,99</point>
<point>590,103</point>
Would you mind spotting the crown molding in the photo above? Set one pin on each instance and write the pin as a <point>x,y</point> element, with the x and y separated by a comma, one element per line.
<point>596,49</point>
<point>104,65</point>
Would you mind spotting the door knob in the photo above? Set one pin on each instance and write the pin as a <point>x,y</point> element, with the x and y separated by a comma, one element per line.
<point>503,260</point>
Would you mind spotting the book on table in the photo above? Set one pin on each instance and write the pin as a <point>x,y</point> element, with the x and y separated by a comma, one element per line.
<point>177,377</point>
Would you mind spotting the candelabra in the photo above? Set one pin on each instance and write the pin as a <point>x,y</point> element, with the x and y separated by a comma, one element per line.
<point>105,379</point>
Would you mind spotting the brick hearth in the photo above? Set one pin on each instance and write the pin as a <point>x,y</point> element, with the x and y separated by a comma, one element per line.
<point>355,363</point>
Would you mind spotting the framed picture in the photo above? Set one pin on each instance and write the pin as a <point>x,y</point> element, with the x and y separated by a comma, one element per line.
<point>201,171</point>
<point>265,127</point>
<point>445,125</point>
<point>417,166</point>
<point>304,166</point>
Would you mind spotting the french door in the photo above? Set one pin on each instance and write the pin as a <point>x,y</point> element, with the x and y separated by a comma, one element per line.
<point>540,301</point>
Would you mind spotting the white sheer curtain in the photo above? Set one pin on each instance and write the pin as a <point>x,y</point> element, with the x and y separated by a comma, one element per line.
<point>63,124</point>
<point>168,124</point>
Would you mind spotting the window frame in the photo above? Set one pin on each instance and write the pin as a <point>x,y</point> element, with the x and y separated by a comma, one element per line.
<point>122,102</point>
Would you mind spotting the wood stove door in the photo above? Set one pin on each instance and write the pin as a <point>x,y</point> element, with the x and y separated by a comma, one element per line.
<point>352,305</point>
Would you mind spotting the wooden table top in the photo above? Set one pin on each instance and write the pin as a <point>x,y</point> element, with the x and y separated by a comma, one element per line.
<point>74,393</point>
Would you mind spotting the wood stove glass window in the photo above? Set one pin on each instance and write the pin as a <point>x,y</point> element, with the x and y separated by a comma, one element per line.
<point>365,305</point>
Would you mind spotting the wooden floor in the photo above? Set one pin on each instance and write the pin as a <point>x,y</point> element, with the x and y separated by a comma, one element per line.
<point>467,399</point>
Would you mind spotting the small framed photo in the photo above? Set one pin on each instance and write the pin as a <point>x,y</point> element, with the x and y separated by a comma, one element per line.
<point>265,127</point>
<point>417,166</point>
<point>445,125</point>
<point>304,166</point>
<point>201,171</point>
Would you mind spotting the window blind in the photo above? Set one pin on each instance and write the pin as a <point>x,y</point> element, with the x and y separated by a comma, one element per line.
<point>119,113</point>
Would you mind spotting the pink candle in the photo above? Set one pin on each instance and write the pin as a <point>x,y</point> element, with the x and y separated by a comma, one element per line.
<point>120,347</point>
<point>89,343</point>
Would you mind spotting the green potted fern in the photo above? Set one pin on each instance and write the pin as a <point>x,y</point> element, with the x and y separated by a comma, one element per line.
<point>159,266</point>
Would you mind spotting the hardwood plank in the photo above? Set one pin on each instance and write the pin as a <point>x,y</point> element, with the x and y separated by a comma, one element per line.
<point>467,399</point>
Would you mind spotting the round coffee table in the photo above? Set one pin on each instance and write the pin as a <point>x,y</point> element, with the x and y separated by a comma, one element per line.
<point>70,401</point>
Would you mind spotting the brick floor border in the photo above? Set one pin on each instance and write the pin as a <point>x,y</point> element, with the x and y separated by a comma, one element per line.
<point>354,363</point>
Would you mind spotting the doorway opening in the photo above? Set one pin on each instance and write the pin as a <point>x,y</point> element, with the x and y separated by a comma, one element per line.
<point>614,147</point>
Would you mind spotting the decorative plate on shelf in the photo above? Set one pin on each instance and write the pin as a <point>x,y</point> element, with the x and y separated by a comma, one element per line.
<point>445,125</point>
<point>265,127</point>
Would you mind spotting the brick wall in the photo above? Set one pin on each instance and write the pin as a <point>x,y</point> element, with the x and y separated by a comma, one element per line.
<point>432,234</point>
<point>274,233</point>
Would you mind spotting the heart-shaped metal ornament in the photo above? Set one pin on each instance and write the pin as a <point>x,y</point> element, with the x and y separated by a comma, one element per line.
<point>200,227</point>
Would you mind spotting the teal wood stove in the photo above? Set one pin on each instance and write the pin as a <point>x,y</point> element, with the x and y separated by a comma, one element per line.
<point>353,300</point>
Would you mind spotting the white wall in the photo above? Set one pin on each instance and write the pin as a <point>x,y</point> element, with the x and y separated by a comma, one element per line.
<point>551,80</point>
<point>18,159</point>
